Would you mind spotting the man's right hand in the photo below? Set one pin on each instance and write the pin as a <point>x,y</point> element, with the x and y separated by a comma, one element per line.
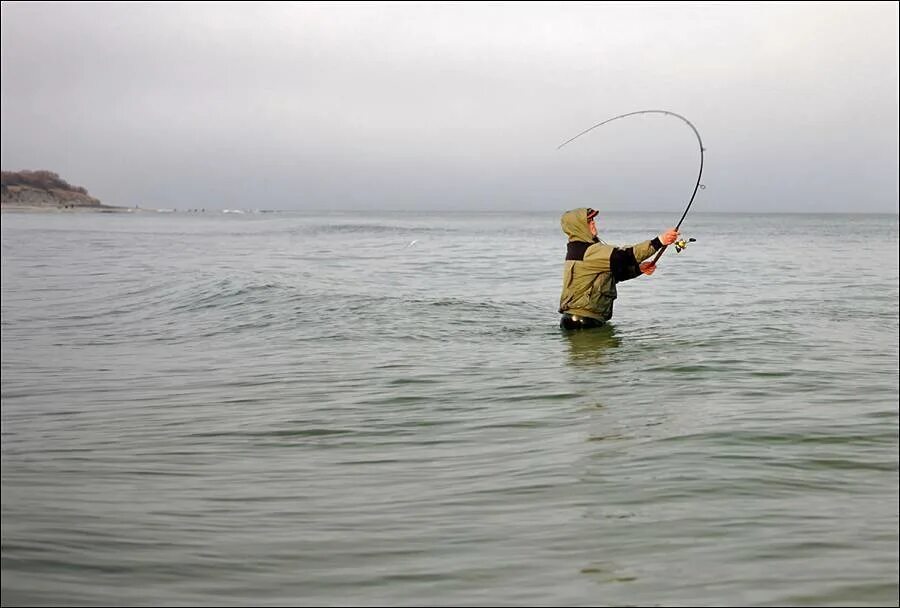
<point>669,236</point>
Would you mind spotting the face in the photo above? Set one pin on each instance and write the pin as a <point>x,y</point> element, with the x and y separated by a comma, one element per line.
<point>592,226</point>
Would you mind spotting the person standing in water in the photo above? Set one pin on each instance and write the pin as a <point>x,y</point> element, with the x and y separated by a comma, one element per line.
<point>593,269</point>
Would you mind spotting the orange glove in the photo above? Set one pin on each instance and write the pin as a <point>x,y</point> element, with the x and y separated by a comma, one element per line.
<point>669,236</point>
<point>648,267</point>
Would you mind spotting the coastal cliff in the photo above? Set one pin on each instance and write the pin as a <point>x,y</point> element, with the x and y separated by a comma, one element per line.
<point>45,190</point>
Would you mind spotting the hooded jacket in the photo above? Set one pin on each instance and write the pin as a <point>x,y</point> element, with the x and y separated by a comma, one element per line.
<point>593,268</point>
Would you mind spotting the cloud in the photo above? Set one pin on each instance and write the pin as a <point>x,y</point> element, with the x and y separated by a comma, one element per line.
<point>455,105</point>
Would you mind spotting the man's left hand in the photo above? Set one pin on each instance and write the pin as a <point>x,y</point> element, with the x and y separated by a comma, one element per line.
<point>669,236</point>
<point>648,268</point>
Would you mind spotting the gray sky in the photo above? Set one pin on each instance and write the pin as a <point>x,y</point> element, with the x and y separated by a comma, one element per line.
<point>319,105</point>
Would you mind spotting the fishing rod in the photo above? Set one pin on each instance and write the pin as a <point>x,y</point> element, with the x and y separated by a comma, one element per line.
<point>682,243</point>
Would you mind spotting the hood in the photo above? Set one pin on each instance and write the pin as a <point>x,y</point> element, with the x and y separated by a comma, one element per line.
<point>575,224</point>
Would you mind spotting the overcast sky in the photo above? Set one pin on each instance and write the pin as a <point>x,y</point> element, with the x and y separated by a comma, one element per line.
<point>315,105</point>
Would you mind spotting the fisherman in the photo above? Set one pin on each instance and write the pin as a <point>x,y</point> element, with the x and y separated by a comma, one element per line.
<point>593,268</point>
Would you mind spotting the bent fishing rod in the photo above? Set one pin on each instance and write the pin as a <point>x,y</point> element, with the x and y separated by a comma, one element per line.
<point>681,244</point>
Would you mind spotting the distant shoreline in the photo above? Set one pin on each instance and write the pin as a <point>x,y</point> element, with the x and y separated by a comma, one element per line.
<point>101,208</point>
<point>23,208</point>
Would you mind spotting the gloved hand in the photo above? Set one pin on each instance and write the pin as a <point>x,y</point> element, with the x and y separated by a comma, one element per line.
<point>648,267</point>
<point>669,236</point>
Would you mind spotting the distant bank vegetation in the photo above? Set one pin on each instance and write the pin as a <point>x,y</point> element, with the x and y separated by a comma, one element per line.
<point>42,180</point>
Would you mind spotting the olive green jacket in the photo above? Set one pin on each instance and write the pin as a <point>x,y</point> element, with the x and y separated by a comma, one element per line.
<point>593,268</point>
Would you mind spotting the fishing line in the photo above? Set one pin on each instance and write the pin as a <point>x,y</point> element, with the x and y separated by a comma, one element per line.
<point>697,186</point>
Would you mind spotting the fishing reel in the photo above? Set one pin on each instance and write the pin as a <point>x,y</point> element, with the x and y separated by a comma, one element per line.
<point>681,244</point>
